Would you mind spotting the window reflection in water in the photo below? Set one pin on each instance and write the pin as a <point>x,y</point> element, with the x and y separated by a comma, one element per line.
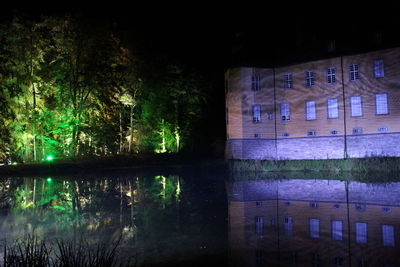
<point>313,223</point>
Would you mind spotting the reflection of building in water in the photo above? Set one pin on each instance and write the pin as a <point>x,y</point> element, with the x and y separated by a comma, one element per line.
<point>307,222</point>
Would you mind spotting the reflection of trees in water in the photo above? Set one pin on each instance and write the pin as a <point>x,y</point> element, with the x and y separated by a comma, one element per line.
<point>100,209</point>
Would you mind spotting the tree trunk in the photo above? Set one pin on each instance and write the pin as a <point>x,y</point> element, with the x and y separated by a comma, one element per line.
<point>34,148</point>
<point>177,138</point>
<point>120,132</point>
<point>131,130</point>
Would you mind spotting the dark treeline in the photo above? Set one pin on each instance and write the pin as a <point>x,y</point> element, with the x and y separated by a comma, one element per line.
<point>70,86</point>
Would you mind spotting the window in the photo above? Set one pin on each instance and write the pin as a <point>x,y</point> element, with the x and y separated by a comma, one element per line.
<point>259,225</point>
<point>357,130</point>
<point>260,257</point>
<point>258,203</point>
<point>334,132</point>
<point>379,68</point>
<point>288,226</point>
<point>270,116</point>
<point>311,133</point>
<point>310,110</point>
<point>360,207</point>
<point>388,235</point>
<point>361,232</point>
<point>337,230</point>
<point>310,79</point>
<point>333,110</point>
<point>381,104</point>
<point>362,262</point>
<point>288,81</point>
<point>286,134</point>
<point>257,135</point>
<point>313,205</point>
<point>314,228</point>
<point>338,261</point>
<point>331,75</point>
<point>256,113</point>
<point>387,209</point>
<point>255,82</point>
<point>383,129</point>
<point>316,260</point>
<point>354,75</point>
<point>356,106</point>
<point>285,112</point>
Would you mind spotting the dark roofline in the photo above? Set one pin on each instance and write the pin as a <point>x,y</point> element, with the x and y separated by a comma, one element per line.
<point>301,60</point>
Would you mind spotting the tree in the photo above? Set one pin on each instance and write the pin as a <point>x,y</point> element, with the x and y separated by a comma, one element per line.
<point>172,103</point>
<point>22,60</point>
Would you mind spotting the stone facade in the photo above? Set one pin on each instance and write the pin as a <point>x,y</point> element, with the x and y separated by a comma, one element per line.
<point>312,131</point>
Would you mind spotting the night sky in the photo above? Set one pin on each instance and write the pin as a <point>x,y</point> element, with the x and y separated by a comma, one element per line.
<point>213,36</point>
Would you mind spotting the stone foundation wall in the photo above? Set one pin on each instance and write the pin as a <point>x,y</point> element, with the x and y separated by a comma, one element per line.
<point>358,146</point>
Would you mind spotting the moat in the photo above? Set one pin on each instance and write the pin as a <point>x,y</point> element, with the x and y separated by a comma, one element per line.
<point>202,217</point>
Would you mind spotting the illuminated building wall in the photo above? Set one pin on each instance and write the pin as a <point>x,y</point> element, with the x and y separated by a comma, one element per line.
<point>313,223</point>
<point>316,110</point>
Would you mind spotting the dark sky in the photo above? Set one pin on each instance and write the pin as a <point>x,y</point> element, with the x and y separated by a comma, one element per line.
<point>205,35</point>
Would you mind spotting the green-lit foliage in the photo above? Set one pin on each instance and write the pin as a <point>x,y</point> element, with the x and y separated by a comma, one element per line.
<point>171,106</point>
<point>69,87</point>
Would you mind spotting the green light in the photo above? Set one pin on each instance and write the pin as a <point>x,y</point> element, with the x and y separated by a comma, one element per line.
<point>14,163</point>
<point>49,158</point>
<point>48,179</point>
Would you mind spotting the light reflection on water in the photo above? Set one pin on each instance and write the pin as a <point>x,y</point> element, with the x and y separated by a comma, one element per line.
<point>202,219</point>
<point>159,218</point>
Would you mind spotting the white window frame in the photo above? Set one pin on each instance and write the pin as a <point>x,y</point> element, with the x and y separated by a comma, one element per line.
<point>310,78</point>
<point>288,80</point>
<point>388,236</point>
<point>285,112</point>
<point>255,82</point>
<point>314,228</point>
<point>311,112</point>
<point>354,72</point>
<point>381,104</point>
<point>379,68</point>
<point>333,108</point>
<point>361,232</point>
<point>356,106</point>
<point>256,111</point>
<point>337,230</point>
<point>331,75</point>
<point>259,225</point>
<point>288,226</point>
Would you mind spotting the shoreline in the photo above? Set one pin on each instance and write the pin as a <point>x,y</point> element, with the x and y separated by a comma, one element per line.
<point>119,163</point>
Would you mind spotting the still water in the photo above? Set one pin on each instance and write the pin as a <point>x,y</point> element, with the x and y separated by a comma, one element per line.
<point>203,218</point>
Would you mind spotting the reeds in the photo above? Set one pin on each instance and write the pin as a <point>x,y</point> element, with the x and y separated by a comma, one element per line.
<point>33,252</point>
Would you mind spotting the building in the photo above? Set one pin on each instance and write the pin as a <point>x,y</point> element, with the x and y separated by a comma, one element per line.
<point>339,107</point>
<point>313,223</point>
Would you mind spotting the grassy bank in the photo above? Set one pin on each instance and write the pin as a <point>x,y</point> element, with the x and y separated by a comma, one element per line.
<point>361,165</point>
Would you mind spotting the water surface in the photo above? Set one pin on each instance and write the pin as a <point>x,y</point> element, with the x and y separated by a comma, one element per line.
<point>203,217</point>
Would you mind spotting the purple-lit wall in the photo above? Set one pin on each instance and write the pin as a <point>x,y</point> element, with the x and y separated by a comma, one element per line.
<point>274,138</point>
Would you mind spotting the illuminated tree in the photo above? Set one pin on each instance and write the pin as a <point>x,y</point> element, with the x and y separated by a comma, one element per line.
<point>171,105</point>
<point>22,59</point>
